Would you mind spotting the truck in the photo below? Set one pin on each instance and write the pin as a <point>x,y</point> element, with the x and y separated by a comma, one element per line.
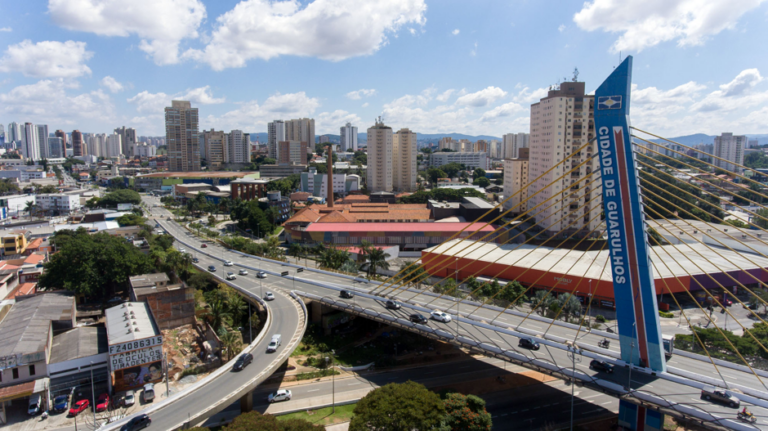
<point>669,344</point>
<point>274,343</point>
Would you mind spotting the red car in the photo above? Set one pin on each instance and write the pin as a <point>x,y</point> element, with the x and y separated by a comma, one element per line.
<point>204,246</point>
<point>102,403</point>
<point>78,407</point>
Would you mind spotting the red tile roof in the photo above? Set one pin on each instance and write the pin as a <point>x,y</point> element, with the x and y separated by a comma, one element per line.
<point>397,227</point>
<point>34,259</point>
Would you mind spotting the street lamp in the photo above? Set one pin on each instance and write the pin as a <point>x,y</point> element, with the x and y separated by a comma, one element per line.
<point>572,352</point>
<point>333,380</point>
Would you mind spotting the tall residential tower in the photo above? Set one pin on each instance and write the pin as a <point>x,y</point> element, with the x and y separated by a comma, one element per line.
<point>380,157</point>
<point>348,135</point>
<point>404,161</point>
<point>181,135</point>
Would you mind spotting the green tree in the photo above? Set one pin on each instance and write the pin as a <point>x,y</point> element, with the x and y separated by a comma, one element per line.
<point>7,186</point>
<point>123,196</point>
<point>211,220</point>
<point>466,413</point>
<point>30,207</point>
<point>231,341</point>
<point>482,182</point>
<point>376,258</point>
<point>542,300</point>
<point>451,169</point>
<point>435,173</point>
<point>255,421</point>
<point>238,308</point>
<point>217,314</point>
<point>478,172</point>
<point>762,220</point>
<point>202,281</point>
<point>570,305</point>
<point>47,189</point>
<point>131,220</point>
<point>398,407</point>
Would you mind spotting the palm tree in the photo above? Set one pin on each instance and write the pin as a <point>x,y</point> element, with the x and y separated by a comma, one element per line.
<point>29,208</point>
<point>296,250</point>
<point>237,308</point>
<point>272,213</point>
<point>217,313</point>
<point>231,341</point>
<point>376,259</point>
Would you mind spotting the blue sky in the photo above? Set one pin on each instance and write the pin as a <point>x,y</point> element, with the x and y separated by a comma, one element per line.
<point>433,66</point>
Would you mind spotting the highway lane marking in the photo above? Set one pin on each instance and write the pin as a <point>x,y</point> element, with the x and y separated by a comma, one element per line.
<point>591,396</point>
<point>607,402</point>
<point>313,390</point>
<point>352,384</point>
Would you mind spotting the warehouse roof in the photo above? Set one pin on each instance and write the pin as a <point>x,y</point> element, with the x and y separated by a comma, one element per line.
<point>130,321</point>
<point>25,328</point>
<point>79,343</point>
<point>398,227</point>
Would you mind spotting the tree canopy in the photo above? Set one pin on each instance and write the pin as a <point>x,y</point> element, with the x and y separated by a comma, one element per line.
<point>398,407</point>
<point>450,195</point>
<point>123,196</point>
<point>253,421</point>
<point>249,215</point>
<point>482,182</point>
<point>466,413</point>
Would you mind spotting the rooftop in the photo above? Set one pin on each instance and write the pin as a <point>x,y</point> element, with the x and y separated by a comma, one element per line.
<point>476,203</point>
<point>221,174</point>
<point>398,227</point>
<point>79,343</point>
<point>25,328</point>
<point>148,280</point>
<point>130,321</point>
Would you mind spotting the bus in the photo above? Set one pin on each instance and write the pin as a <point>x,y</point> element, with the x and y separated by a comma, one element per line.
<point>669,344</point>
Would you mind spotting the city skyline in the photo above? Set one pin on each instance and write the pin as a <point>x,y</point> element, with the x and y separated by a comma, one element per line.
<point>474,72</point>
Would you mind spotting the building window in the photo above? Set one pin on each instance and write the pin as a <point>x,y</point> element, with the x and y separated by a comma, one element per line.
<point>15,373</point>
<point>31,370</point>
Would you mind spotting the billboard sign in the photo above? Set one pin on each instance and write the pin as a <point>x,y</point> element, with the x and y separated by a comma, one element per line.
<point>124,207</point>
<point>138,376</point>
<point>135,358</point>
<point>136,344</point>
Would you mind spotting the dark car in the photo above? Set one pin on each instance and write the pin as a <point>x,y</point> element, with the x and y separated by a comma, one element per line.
<point>418,318</point>
<point>601,366</point>
<point>346,294</point>
<point>528,343</point>
<point>211,268</point>
<point>195,260</point>
<point>61,403</point>
<point>720,396</point>
<point>137,423</point>
<point>392,305</point>
<point>243,361</point>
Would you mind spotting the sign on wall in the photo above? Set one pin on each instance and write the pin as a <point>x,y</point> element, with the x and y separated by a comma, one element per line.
<point>134,358</point>
<point>124,207</point>
<point>136,344</point>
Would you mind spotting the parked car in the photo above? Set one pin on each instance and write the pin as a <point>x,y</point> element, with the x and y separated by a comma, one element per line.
<point>228,263</point>
<point>261,274</point>
<point>274,343</point>
<point>392,305</point>
<point>78,407</point>
<point>211,268</point>
<point>440,316</point>
<point>130,399</point>
<point>720,396</point>
<point>528,343</point>
<point>139,422</point>
<point>102,403</point>
<point>61,403</point>
<point>347,294</point>
<point>418,318</point>
<point>204,245</point>
<point>149,392</point>
<point>243,272</point>
<point>269,296</point>
<point>601,366</point>
<point>280,395</point>
<point>195,260</point>
<point>231,276</point>
<point>33,407</point>
<point>242,361</point>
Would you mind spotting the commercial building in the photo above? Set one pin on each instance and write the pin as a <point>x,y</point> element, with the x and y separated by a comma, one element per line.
<point>281,203</point>
<point>380,157</point>
<point>275,133</point>
<point>248,188</point>
<point>470,160</point>
<point>291,152</point>
<point>512,142</point>
<point>15,242</point>
<point>561,123</point>
<point>16,204</point>
<point>15,134</point>
<point>181,134</point>
<point>61,134</point>
<point>22,175</point>
<point>281,171</point>
<point>166,180</point>
<point>317,184</point>
<point>135,346</point>
<point>78,145</point>
<point>516,183</point>
<point>55,147</point>
<point>404,153</point>
<point>172,305</point>
<point>730,148</point>
<point>59,203</point>
<point>469,209</point>
<point>348,135</point>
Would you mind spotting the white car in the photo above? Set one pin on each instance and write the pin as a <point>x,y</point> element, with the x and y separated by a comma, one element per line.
<point>261,274</point>
<point>231,276</point>
<point>130,399</point>
<point>280,395</point>
<point>269,296</point>
<point>182,250</point>
<point>243,272</point>
<point>228,263</point>
<point>440,316</point>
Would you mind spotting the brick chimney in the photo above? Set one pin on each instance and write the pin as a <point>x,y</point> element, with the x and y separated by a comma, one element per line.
<point>330,176</point>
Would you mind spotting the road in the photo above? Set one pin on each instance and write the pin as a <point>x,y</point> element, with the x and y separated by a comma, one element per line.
<point>329,284</point>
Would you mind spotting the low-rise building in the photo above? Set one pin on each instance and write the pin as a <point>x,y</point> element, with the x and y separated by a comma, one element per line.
<point>317,184</point>
<point>15,242</point>
<point>172,305</point>
<point>76,355</point>
<point>281,171</point>
<point>17,204</point>
<point>469,159</point>
<point>135,346</point>
<point>59,203</point>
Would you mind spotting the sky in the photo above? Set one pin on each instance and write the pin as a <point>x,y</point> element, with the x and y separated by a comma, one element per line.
<point>434,66</point>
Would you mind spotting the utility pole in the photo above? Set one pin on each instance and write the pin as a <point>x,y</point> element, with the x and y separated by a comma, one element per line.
<point>572,352</point>
<point>250,325</point>
<point>93,397</point>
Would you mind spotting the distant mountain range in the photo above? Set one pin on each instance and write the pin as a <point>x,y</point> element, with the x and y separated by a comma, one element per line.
<point>700,138</point>
<point>363,137</point>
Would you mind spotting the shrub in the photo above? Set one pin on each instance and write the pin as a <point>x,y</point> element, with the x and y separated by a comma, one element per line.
<point>600,318</point>
<point>666,314</point>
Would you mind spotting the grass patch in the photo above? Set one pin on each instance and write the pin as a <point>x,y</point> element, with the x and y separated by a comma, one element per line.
<point>316,374</point>
<point>324,416</point>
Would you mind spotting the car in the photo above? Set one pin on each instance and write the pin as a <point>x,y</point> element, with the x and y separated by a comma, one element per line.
<point>601,366</point>
<point>211,268</point>
<point>231,276</point>
<point>228,263</point>
<point>204,245</point>
<point>242,361</point>
<point>418,318</point>
<point>720,396</point>
<point>261,274</point>
<point>195,260</point>
<point>33,407</point>
<point>130,399</point>
<point>60,403</point>
<point>269,296</point>
<point>392,305</point>
<point>79,407</point>
<point>440,316</point>
<point>528,343</point>
<point>274,343</point>
<point>149,392</point>
<point>139,422</point>
<point>346,294</point>
<point>243,272</point>
<point>279,395</point>
<point>102,403</point>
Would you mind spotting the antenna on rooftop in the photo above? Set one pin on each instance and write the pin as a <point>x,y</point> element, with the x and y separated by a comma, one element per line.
<point>575,74</point>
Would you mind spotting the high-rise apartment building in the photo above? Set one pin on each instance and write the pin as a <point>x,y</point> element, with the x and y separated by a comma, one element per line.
<point>291,152</point>
<point>14,134</point>
<point>379,157</point>
<point>481,146</point>
<point>730,148</point>
<point>516,183</point>
<point>561,123</point>
<point>2,135</point>
<point>238,148</point>
<point>513,142</point>
<point>78,145</point>
<point>214,142</point>
<point>56,147</point>
<point>181,135</point>
<point>348,135</point>
<point>275,134</point>
<point>113,145</point>
<point>97,144</point>
<point>404,161</point>
<point>60,134</point>
<point>128,140</point>
<point>302,130</point>
<point>42,141</point>
<point>30,147</point>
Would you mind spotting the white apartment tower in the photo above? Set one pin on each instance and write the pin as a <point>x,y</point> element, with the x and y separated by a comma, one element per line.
<point>513,142</point>
<point>516,184</point>
<point>302,130</point>
<point>30,148</point>
<point>348,135</point>
<point>404,161</point>
<point>128,141</point>
<point>181,135</point>
<point>730,148</point>
<point>275,134</point>
<point>13,134</point>
<point>561,123</point>
<point>42,141</point>
<point>238,148</point>
<point>380,157</point>
<point>113,145</point>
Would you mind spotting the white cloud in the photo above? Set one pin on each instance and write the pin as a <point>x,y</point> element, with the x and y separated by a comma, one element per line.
<point>161,24</point>
<point>155,103</point>
<point>248,114</point>
<point>645,23</point>
<point>473,52</point>
<point>525,96</point>
<point>47,59</point>
<point>561,28</point>
<point>112,84</point>
<point>33,103</point>
<point>445,95</point>
<point>456,32</point>
<point>328,29</point>
<point>482,97</point>
<point>365,105</point>
<point>744,81</point>
<point>329,122</point>
<point>6,29</point>
<point>359,94</point>
<point>734,95</point>
<point>505,110</point>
